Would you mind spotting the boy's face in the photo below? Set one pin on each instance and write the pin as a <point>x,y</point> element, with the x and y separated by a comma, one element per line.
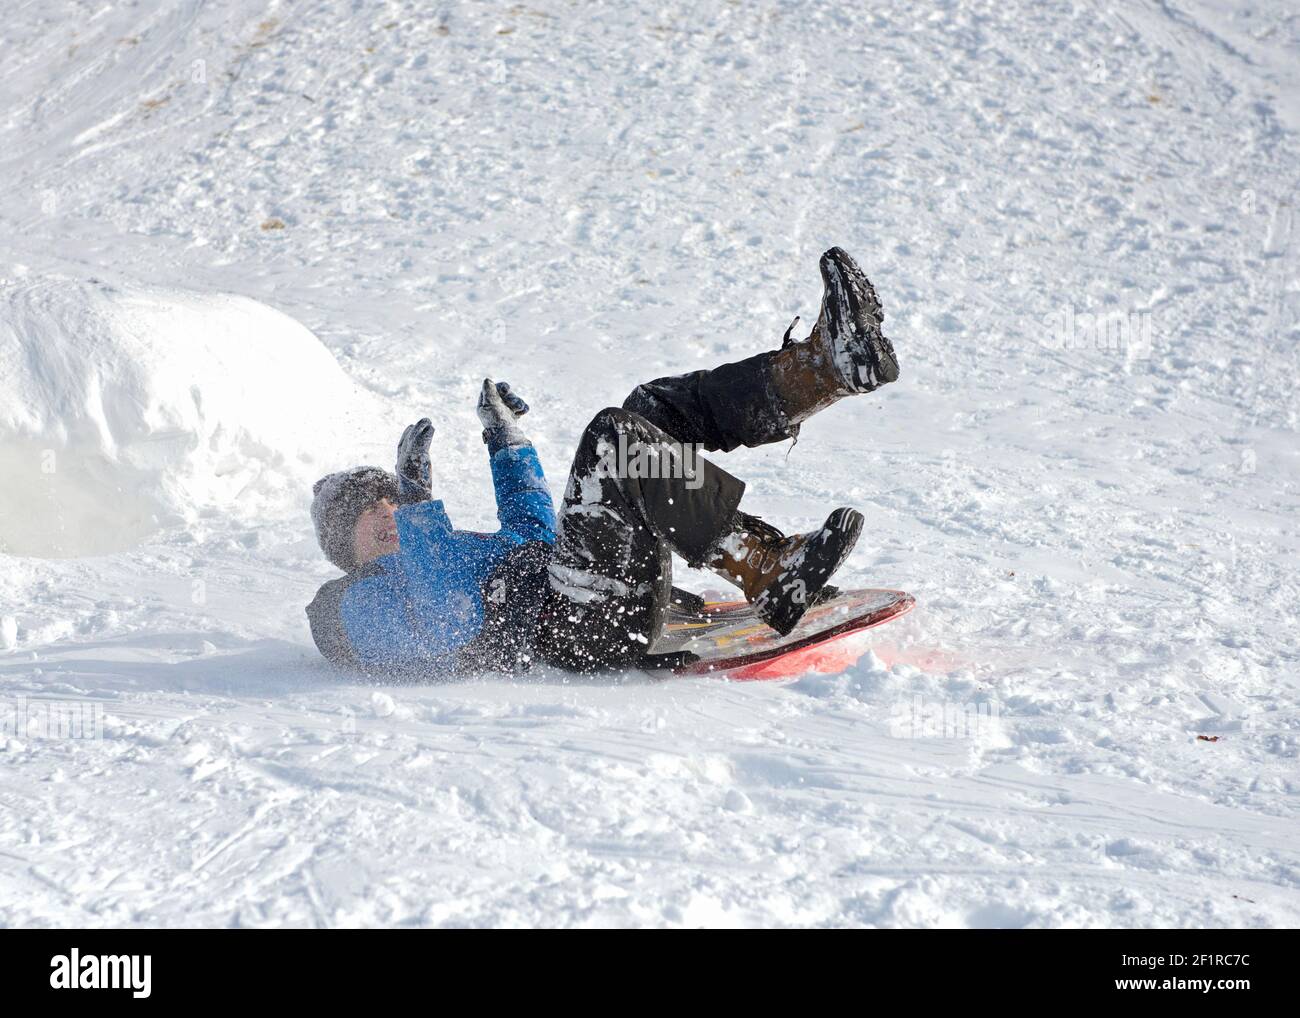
<point>375,532</point>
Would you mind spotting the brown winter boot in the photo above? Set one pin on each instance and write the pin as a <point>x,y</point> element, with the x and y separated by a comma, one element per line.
<point>845,353</point>
<point>783,576</point>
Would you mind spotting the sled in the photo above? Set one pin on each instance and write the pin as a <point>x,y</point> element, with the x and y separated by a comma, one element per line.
<point>732,642</point>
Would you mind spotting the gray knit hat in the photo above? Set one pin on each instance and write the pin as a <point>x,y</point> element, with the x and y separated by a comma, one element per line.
<point>339,500</point>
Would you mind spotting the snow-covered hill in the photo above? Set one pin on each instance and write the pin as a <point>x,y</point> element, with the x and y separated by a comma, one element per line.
<point>1082,220</point>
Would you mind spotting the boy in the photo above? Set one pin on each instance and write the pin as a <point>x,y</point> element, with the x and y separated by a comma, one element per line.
<point>588,590</point>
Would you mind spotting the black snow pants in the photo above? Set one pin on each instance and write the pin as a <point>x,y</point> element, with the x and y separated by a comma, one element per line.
<point>638,492</point>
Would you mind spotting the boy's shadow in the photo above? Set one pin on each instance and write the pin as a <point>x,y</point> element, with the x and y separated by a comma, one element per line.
<point>148,663</point>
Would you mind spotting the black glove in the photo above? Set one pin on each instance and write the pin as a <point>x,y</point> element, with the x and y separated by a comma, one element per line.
<point>500,409</point>
<point>414,478</point>
<point>512,399</point>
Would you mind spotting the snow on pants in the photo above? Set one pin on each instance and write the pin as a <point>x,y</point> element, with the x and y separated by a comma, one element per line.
<point>638,492</point>
<point>728,406</point>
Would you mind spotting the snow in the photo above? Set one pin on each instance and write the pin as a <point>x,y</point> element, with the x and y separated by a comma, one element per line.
<point>1081,223</point>
<point>129,409</point>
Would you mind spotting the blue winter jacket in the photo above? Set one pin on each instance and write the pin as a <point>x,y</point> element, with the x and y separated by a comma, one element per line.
<point>448,600</point>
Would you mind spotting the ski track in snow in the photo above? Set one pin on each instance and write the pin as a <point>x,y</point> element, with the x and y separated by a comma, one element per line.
<point>1102,542</point>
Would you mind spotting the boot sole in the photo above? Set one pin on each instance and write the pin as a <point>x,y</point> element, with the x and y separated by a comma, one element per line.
<point>822,556</point>
<point>854,320</point>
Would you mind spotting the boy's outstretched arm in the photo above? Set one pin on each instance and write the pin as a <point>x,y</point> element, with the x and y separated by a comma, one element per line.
<point>524,504</point>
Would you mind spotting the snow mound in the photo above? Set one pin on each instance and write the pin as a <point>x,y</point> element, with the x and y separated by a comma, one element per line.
<point>126,410</point>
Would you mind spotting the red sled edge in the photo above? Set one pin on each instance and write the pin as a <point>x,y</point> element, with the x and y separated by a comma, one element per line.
<point>745,661</point>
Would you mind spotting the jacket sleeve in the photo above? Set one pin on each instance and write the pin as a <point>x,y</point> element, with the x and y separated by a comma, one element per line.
<point>524,504</point>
